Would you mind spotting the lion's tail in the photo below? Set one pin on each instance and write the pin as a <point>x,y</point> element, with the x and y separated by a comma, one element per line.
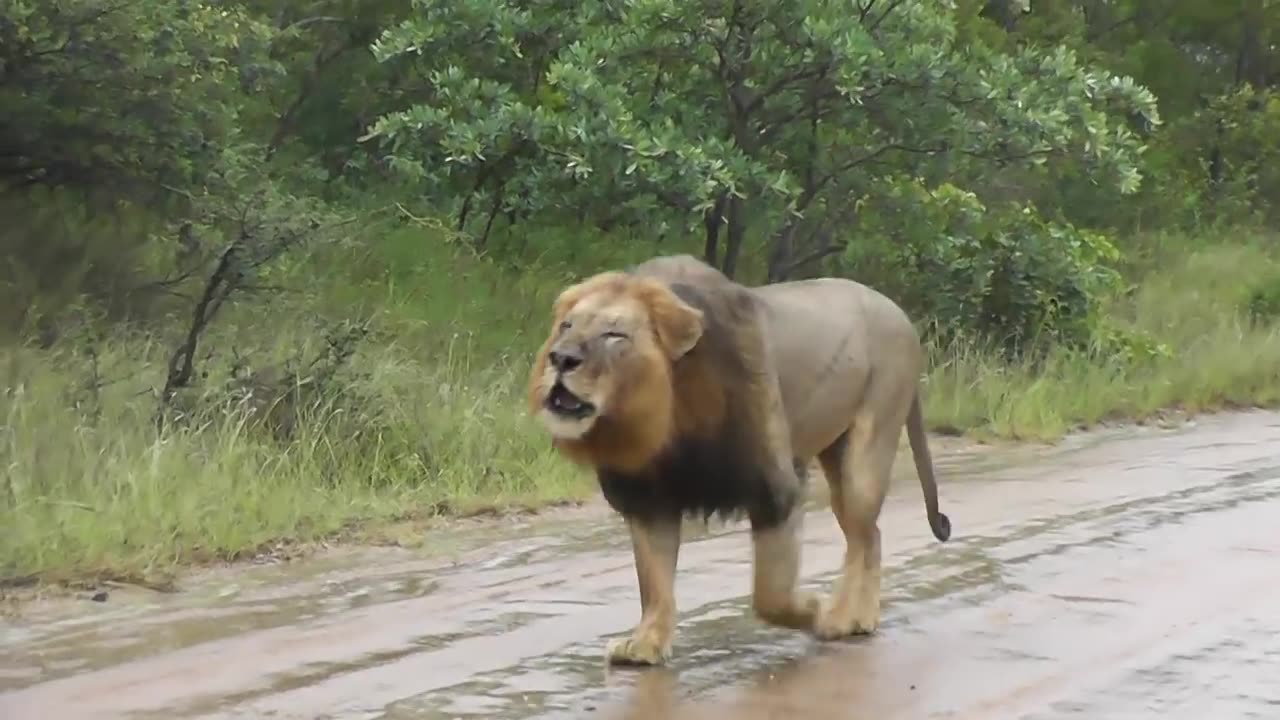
<point>938,522</point>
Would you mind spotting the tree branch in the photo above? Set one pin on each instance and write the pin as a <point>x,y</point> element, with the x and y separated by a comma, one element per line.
<point>781,84</point>
<point>309,83</point>
<point>299,24</point>
<point>865,9</point>
<point>875,25</point>
<point>826,250</point>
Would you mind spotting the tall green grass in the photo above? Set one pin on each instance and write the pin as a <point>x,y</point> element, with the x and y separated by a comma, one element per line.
<point>1189,297</point>
<point>108,494</point>
<point>428,416</point>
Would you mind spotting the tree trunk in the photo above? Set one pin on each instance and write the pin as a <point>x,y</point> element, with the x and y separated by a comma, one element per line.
<point>818,244</point>
<point>711,222</point>
<point>1004,12</point>
<point>737,232</point>
<point>1245,54</point>
<point>498,194</point>
<point>783,253</point>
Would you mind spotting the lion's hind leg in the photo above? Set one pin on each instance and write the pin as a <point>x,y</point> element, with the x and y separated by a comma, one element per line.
<point>858,468</point>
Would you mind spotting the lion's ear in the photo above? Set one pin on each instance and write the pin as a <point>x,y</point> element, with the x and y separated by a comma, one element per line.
<point>678,324</point>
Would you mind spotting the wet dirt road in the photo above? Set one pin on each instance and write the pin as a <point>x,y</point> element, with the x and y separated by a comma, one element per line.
<point>1132,574</point>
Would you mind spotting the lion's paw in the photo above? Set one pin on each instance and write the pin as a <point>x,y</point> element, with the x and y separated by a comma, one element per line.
<point>637,650</point>
<point>832,625</point>
<point>797,614</point>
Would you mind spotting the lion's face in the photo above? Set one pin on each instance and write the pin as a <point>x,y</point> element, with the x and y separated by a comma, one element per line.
<point>609,355</point>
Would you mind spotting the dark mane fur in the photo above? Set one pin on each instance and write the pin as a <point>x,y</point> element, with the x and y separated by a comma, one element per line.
<point>725,470</point>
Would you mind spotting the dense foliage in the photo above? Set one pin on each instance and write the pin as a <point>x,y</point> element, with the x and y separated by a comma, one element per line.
<point>976,159</point>
<point>995,148</point>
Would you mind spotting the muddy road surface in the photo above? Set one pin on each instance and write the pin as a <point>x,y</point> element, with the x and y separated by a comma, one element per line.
<point>1127,574</point>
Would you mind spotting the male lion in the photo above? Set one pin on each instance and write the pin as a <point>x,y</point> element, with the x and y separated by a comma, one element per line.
<point>689,393</point>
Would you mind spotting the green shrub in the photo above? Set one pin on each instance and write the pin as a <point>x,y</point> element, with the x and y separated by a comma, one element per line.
<point>1002,274</point>
<point>1263,299</point>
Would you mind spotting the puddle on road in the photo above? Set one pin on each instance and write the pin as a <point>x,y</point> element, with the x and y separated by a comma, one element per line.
<point>1077,557</point>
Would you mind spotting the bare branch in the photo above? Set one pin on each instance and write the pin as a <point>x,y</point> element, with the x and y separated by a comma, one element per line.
<point>864,9</point>
<point>781,84</point>
<point>181,366</point>
<point>299,24</point>
<point>816,255</point>
<point>875,24</point>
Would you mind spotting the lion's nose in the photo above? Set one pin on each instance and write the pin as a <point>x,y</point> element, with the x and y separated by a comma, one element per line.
<point>564,361</point>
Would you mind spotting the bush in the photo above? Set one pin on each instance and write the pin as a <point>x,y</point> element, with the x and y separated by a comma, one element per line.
<point>103,95</point>
<point>1263,299</point>
<point>1001,273</point>
<point>1216,165</point>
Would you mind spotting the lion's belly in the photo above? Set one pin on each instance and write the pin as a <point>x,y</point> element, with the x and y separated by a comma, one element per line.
<point>817,413</point>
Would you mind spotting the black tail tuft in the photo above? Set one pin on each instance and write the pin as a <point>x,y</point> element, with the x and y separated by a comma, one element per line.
<point>941,527</point>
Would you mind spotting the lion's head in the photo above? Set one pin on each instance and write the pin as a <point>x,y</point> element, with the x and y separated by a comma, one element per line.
<point>602,382</point>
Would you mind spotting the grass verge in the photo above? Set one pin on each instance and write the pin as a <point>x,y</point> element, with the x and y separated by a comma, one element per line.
<point>1207,351</point>
<point>428,419</point>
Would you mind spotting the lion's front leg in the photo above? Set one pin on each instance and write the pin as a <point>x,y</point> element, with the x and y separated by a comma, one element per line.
<point>776,529</point>
<point>776,561</point>
<point>656,545</point>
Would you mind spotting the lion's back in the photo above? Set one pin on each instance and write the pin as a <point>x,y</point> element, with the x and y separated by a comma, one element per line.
<point>685,270</point>
<point>832,308</point>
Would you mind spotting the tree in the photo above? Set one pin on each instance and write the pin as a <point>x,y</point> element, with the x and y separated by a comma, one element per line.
<point>742,114</point>
<point>118,95</point>
<point>329,88</point>
<point>1215,66</point>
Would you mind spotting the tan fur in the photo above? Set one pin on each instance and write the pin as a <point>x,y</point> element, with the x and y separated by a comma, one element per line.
<point>823,369</point>
<point>656,546</point>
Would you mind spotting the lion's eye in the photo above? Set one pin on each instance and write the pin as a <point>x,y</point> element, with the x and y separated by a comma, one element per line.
<point>615,335</point>
<point>565,325</point>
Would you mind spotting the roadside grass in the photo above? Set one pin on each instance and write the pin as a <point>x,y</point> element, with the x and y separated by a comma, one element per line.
<point>1190,300</point>
<point>428,417</point>
<point>110,497</point>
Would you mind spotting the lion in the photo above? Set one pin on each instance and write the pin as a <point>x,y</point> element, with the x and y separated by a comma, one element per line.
<point>690,394</point>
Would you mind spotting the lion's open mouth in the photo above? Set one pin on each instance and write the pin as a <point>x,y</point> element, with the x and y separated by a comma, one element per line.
<point>562,402</point>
